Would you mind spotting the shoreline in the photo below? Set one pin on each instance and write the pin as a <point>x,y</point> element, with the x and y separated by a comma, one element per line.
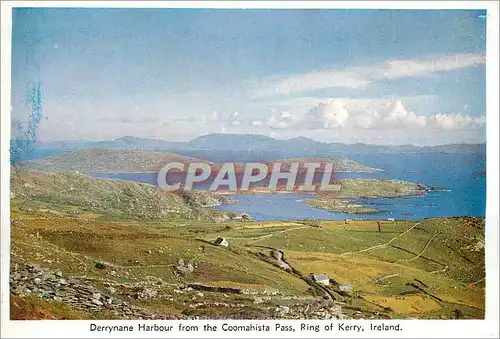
<point>349,202</point>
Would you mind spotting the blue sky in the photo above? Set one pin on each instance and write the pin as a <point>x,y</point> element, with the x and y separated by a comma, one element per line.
<point>374,76</point>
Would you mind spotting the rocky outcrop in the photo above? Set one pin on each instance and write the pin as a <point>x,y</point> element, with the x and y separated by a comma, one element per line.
<point>26,279</point>
<point>218,289</point>
<point>82,295</point>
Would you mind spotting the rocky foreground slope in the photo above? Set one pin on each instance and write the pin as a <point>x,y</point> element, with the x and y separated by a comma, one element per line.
<point>33,280</point>
<point>85,301</point>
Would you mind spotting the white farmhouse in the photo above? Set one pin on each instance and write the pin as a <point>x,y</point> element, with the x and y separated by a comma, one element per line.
<point>221,242</point>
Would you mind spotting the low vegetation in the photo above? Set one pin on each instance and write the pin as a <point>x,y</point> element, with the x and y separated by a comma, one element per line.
<point>167,262</point>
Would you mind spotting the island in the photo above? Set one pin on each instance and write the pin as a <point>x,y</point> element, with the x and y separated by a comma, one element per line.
<point>353,188</point>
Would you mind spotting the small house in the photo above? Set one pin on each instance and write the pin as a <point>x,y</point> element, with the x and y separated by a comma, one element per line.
<point>321,279</point>
<point>221,242</point>
<point>390,219</point>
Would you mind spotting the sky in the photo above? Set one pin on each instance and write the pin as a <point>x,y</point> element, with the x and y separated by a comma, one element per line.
<point>372,76</point>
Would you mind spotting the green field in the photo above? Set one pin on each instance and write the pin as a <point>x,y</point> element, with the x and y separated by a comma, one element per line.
<point>432,268</point>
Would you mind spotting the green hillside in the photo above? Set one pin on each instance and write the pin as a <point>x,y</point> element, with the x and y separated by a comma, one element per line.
<point>72,234</point>
<point>76,194</point>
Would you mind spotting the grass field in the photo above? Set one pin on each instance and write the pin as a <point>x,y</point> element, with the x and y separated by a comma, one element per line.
<point>444,254</point>
<point>379,265</point>
<point>432,268</point>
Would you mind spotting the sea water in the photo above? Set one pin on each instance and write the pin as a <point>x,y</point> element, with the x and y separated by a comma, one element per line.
<point>460,175</point>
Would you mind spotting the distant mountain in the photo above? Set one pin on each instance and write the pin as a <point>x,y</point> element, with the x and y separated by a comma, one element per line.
<point>235,142</point>
<point>66,145</point>
<point>256,143</point>
<point>460,148</point>
<point>134,143</point>
<point>123,143</point>
<point>305,144</point>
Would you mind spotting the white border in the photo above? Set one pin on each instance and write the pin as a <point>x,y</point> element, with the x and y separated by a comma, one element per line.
<point>294,4</point>
<point>412,329</point>
<point>492,166</point>
<point>5,95</point>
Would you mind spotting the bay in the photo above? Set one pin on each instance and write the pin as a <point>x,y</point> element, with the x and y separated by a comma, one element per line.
<point>462,175</point>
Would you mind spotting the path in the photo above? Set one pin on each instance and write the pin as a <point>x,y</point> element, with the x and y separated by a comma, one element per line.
<point>255,239</point>
<point>382,245</point>
<point>423,249</point>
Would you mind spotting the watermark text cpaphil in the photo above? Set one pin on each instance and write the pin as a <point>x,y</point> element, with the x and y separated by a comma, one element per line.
<point>294,176</point>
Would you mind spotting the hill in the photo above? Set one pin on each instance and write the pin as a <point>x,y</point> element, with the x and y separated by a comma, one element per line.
<point>104,160</point>
<point>97,160</point>
<point>70,193</point>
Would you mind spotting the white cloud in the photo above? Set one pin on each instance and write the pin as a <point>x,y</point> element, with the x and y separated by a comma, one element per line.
<point>458,121</point>
<point>213,116</point>
<point>360,77</point>
<point>399,116</point>
<point>282,120</point>
<point>311,81</point>
<point>232,119</point>
<point>380,114</point>
<point>409,68</point>
<point>377,117</point>
<point>285,116</point>
<point>369,119</point>
<point>480,121</point>
<point>329,114</point>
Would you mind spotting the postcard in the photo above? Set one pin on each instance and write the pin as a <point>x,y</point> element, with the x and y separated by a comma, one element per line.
<point>227,169</point>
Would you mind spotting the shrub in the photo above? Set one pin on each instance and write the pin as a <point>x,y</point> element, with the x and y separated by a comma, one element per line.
<point>100,265</point>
